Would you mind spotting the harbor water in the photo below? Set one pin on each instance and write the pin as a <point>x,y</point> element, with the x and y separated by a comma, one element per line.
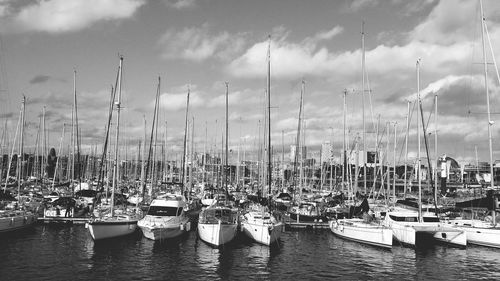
<point>64,252</point>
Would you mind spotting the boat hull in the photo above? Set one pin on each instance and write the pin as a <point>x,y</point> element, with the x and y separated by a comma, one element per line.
<point>158,231</point>
<point>110,228</point>
<point>478,232</point>
<point>13,221</point>
<point>217,234</point>
<point>366,233</point>
<point>262,233</point>
<point>410,234</point>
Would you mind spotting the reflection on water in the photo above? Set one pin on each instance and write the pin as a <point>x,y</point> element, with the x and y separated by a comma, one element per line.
<point>69,253</point>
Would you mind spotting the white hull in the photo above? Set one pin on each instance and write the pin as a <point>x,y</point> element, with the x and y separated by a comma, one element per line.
<point>157,229</point>
<point>360,231</point>
<point>407,232</point>
<point>478,232</point>
<point>111,227</point>
<point>266,234</point>
<point>217,234</point>
<point>16,220</point>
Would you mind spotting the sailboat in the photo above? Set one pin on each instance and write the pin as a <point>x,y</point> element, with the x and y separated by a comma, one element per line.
<point>114,223</point>
<point>258,223</point>
<point>218,223</point>
<point>481,232</point>
<point>13,215</point>
<point>364,230</point>
<point>412,227</point>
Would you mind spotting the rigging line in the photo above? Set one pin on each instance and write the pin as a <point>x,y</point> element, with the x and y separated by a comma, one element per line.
<point>409,122</point>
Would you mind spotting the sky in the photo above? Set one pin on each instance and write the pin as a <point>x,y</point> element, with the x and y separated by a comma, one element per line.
<point>201,44</point>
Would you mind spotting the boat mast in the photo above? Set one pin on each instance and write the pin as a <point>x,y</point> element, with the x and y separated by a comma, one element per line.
<point>394,163</point>
<point>154,171</point>
<point>118,107</point>
<point>269,163</point>
<point>76,136</point>
<point>344,152</point>
<point>227,140</point>
<point>297,141</point>
<point>363,104</point>
<point>418,152</point>
<point>406,148</point>
<point>21,149</point>
<point>191,155</point>
<point>283,159</point>
<point>490,123</point>
<point>44,144</point>
<point>435,151</point>
<point>183,170</point>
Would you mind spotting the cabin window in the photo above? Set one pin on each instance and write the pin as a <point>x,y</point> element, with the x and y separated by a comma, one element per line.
<point>406,219</point>
<point>431,219</point>
<point>164,211</point>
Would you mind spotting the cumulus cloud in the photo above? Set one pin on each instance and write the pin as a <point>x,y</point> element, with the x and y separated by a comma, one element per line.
<point>58,16</point>
<point>196,44</point>
<point>180,4</point>
<point>357,5</point>
<point>450,18</point>
<point>328,34</point>
<point>176,99</point>
<point>292,60</point>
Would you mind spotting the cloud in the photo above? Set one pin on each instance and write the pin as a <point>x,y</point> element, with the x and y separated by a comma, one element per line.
<point>39,79</point>
<point>181,4</point>
<point>357,5</point>
<point>176,99</point>
<point>328,34</point>
<point>42,78</point>
<point>450,18</point>
<point>58,16</point>
<point>195,44</point>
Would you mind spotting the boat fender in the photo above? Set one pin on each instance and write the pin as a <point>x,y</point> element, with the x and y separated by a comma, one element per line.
<point>86,225</point>
<point>12,221</point>
<point>188,226</point>
<point>341,228</point>
<point>25,220</point>
<point>182,226</point>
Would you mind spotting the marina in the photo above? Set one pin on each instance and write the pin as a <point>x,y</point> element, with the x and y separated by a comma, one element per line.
<point>242,148</point>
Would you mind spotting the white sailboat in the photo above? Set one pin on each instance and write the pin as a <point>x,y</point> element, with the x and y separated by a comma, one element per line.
<point>409,226</point>
<point>258,223</point>
<point>217,224</point>
<point>165,218</point>
<point>481,232</point>
<point>362,231</point>
<point>261,226</point>
<point>365,230</point>
<point>114,223</point>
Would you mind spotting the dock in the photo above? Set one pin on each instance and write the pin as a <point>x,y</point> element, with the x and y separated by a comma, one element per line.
<point>63,220</point>
<point>307,225</point>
